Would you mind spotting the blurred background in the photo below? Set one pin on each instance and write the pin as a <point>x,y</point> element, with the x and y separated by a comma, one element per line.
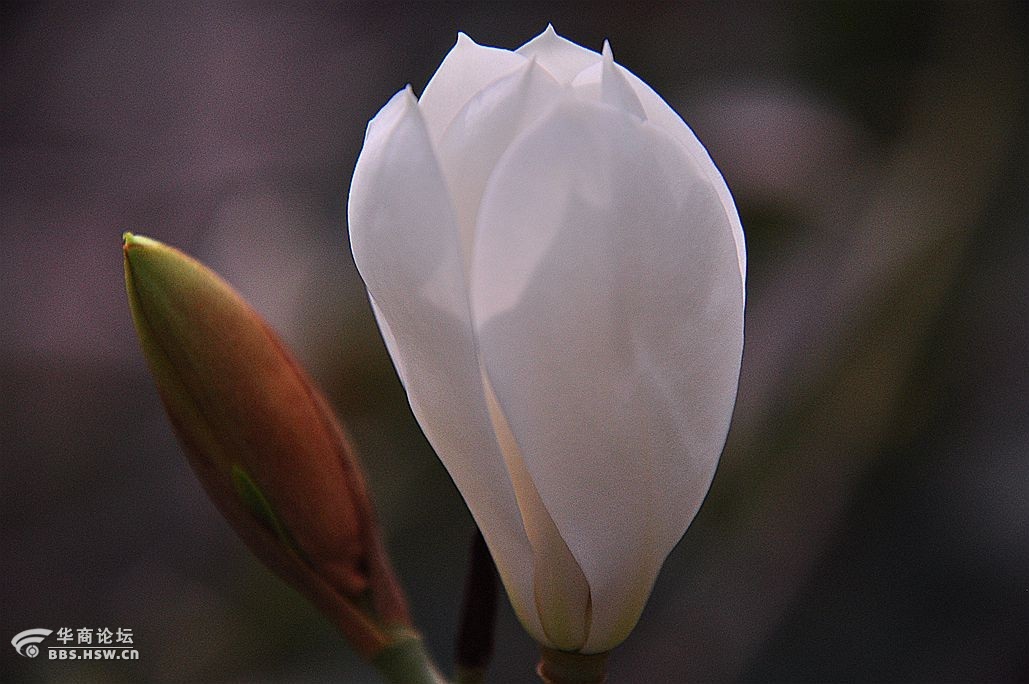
<point>869,520</point>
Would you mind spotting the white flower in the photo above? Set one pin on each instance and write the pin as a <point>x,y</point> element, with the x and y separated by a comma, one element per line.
<point>558,271</point>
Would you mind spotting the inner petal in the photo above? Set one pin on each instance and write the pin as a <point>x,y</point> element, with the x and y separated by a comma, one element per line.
<point>481,132</point>
<point>562,58</point>
<point>561,591</point>
<point>606,82</point>
<point>467,69</point>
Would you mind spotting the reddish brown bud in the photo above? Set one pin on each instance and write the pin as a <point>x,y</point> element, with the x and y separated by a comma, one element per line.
<point>262,441</point>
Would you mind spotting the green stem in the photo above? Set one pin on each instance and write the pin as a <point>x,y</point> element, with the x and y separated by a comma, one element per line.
<point>562,667</point>
<point>406,661</point>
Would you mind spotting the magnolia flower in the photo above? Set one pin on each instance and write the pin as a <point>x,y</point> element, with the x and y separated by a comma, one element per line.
<point>557,269</point>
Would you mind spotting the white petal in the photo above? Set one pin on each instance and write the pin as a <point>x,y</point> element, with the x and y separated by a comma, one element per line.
<point>389,339</point>
<point>405,243</point>
<point>467,69</point>
<point>482,131</point>
<point>560,588</point>
<point>606,82</point>
<point>470,148</point>
<point>562,58</point>
<point>609,310</point>
<point>663,116</point>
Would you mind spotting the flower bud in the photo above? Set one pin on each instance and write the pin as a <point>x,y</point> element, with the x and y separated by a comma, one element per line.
<point>558,270</point>
<point>263,441</point>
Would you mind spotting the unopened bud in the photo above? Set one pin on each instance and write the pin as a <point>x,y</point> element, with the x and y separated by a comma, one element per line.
<point>263,442</point>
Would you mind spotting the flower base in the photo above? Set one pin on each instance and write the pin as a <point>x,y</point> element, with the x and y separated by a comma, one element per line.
<point>562,667</point>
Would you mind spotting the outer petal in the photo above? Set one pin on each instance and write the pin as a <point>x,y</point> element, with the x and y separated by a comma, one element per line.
<point>467,69</point>
<point>483,130</point>
<point>609,309</point>
<point>663,116</point>
<point>405,243</point>
<point>562,58</point>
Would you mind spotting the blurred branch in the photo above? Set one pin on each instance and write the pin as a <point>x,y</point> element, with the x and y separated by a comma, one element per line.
<point>927,198</point>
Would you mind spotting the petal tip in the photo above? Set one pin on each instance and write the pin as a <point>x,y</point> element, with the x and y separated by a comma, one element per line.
<point>615,89</point>
<point>130,239</point>
<point>546,36</point>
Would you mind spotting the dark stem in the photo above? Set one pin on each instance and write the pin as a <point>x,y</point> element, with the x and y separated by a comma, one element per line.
<point>478,614</point>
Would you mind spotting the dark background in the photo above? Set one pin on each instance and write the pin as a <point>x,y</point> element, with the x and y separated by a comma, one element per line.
<point>869,520</point>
